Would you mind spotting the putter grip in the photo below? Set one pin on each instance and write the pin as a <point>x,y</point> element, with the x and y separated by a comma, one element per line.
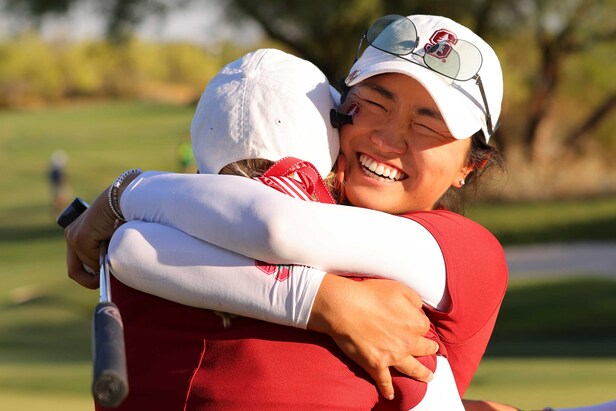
<point>110,380</point>
<point>71,212</point>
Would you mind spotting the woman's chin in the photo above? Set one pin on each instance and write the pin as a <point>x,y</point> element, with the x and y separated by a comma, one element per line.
<point>369,198</point>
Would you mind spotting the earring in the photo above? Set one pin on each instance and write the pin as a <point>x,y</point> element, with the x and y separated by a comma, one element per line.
<point>462,182</point>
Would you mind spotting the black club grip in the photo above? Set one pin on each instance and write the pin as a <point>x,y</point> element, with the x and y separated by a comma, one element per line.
<point>71,212</point>
<point>110,380</point>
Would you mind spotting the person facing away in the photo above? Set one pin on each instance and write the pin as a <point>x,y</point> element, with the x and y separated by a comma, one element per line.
<point>367,100</point>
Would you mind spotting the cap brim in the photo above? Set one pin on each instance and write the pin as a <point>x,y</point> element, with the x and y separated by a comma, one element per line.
<point>463,119</point>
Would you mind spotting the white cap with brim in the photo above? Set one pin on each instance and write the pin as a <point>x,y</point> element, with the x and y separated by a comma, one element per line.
<point>459,102</point>
<point>267,104</point>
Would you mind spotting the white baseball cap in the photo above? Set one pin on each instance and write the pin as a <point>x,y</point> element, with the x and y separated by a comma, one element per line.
<point>267,104</point>
<point>460,102</point>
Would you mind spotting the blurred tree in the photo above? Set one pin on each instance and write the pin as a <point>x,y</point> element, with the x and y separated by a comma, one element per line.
<point>561,30</point>
<point>537,40</point>
<point>121,15</point>
<point>327,33</point>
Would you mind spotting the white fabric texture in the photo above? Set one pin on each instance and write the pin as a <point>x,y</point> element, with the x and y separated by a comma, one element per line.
<point>251,219</point>
<point>168,263</point>
<point>437,395</point>
<point>266,104</point>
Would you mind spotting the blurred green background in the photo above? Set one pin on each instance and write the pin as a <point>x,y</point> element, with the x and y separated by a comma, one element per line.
<point>121,101</point>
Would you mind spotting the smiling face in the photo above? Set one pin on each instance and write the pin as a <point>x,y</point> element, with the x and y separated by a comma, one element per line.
<point>398,155</point>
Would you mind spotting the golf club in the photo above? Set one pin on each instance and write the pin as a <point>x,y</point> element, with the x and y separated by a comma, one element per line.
<point>110,380</point>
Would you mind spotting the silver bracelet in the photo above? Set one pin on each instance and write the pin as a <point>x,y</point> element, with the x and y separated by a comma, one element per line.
<point>112,194</point>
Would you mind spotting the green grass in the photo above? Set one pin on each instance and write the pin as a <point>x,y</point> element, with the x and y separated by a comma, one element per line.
<point>101,140</point>
<point>45,317</point>
<point>533,384</point>
<point>588,219</point>
<point>569,318</point>
<point>553,343</point>
<point>44,329</point>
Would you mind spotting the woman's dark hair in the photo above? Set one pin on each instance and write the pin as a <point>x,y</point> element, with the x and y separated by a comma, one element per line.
<point>486,159</point>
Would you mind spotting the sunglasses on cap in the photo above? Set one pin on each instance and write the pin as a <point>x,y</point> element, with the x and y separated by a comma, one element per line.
<point>459,60</point>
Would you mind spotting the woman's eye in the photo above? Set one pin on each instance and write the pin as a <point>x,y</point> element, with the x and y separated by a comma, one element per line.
<point>374,103</point>
<point>424,129</point>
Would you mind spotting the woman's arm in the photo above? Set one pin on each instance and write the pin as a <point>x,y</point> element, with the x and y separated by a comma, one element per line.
<point>343,309</point>
<point>253,220</point>
<point>168,263</point>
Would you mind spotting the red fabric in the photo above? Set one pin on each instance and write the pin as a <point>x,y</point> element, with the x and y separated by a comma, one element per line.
<point>182,358</point>
<point>164,344</point>
<point>476,281</point>
<point>256,365</point>
<point>309,177</point>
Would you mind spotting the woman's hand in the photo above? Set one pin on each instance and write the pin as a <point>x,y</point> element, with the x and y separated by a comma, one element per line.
<point>84,235</point>
<point>378,324</point>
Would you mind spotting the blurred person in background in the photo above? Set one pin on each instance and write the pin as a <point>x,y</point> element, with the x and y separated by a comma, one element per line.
<point>58,180</point>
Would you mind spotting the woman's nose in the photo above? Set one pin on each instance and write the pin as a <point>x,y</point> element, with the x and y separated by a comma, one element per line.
<point>389,141</point>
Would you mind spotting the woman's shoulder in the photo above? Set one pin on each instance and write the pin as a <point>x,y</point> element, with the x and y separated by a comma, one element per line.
<point>459,235</point>
<point>449,221</point>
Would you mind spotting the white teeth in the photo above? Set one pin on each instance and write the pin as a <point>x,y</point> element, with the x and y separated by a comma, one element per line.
<point>384,172</point>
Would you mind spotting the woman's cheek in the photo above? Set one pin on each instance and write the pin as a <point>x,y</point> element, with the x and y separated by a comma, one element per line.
<point>341,163</point>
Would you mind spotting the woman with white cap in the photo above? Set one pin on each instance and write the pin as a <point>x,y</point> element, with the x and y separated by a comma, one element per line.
<point>421,119</point>
<point>271,94</point>
<point>262,107</point>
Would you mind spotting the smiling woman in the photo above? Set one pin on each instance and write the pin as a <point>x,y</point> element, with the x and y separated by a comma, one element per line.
<point>415,135</point>
<point>405,136</point>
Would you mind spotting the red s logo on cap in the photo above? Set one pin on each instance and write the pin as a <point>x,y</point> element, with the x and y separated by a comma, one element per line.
<point>441,43</point>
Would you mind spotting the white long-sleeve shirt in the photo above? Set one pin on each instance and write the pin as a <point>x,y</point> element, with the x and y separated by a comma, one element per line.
<point>231,212</point>
<point>169,263</point>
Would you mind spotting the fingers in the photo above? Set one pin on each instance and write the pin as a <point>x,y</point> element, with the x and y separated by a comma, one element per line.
<point>414,369</point>
<point>382,377</point>
<point>82,242</point>
<point>424,346</point>
<point>77,272</point>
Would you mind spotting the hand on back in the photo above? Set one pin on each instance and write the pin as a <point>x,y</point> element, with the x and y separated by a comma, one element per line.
<point>378,324</point>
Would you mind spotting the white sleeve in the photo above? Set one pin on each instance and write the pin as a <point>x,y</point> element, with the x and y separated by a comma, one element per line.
<point>442,392</point>
<point>250,218</point>
<point>168,263</point>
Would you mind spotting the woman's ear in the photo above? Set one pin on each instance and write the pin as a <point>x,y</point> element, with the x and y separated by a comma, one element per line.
<point>460,179</point>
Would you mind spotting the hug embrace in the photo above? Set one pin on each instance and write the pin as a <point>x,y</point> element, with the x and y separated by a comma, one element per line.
<point>340,274</point>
